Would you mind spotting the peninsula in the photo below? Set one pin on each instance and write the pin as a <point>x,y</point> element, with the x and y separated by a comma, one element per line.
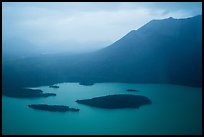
<point>18,92</point>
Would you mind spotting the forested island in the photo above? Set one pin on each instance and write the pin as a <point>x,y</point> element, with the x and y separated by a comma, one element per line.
<point>86,83</point>
<point>54,108</point>
<point>53,86</point>
<point>116,101</point>
<point>132,90</point>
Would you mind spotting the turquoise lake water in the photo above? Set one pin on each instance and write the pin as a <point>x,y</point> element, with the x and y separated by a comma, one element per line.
<point>174,110</point>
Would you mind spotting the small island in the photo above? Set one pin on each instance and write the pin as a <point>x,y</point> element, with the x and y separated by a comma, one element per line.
<point>132,90</point>
<point>53,86</point>
<point>116,101</point>
<point>86,83</point>
<point>53,108</point>
<point>48,94</point>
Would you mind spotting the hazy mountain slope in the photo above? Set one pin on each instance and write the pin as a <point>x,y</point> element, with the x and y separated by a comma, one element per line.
<point>162,51</point>
<point>167,50</point>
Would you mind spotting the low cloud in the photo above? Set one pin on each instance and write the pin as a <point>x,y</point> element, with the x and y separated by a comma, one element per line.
<point>47,25</point>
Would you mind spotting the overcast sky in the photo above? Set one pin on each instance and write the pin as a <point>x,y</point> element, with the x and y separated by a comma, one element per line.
<point>95,22</point>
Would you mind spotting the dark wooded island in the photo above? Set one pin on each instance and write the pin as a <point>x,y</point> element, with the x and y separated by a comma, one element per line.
<point>52,86</point>
<point>86,83</point>
<point>54,108</point>
<point>116,101</point>
<point>131,90</point>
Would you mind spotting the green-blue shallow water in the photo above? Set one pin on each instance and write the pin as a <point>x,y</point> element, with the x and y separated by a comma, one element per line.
<point>174,110</point>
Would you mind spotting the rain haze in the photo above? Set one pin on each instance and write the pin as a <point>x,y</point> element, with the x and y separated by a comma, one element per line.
<point>82,27</point>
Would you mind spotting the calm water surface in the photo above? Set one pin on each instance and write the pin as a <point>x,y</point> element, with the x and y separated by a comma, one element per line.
<point>174,110</point>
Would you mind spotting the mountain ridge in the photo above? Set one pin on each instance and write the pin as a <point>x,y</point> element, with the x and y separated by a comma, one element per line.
<point>146,55</point>
<point>141,45</point>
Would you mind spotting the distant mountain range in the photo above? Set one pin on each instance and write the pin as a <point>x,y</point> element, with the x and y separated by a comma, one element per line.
<point>162,51</point>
